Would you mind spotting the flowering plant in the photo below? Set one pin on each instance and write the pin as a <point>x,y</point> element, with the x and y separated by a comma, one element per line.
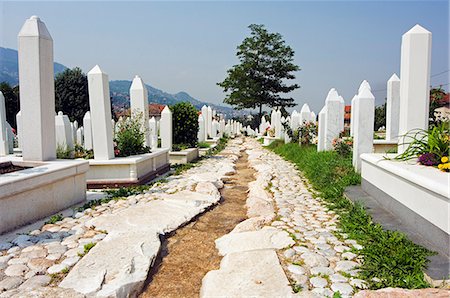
<point>445,164</point>
<point>428,159</point>
<point>343,146</point>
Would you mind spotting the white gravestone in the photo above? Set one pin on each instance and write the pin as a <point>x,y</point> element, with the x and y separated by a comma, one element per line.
<point>305,114</point>
<point>342,113</point>
<point>204,112</point>
<point>87,130</point>
<point>392,107</point>
<point>75,128</point>
<point>201,129</point>
<point>63,131</point>
<point>4,146</point>
<point>415,82</point>
<point>166,128</point>
<point>209,121</point>
<point>37,91</point>
<point>10,136</point>
<point>19,129</point>
<point>100,108</point>
<point>352,120</point>
<point>322,128</point>
<point>139,104</point>
<point>364,125</point>
<point>153,131</point>
<point>332,128</point>
<point>80,137</point>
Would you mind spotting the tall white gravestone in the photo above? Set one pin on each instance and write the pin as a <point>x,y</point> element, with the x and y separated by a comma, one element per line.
<point>305,114</point>
<point>37,91</point>
<point>166,128</point>
<point>4,146</point>
<point>63,131</point>
<point>153,131</point>
<point>19,129</point>
<point>209,121</point>
<point>204,111</point>
<point>100,108</point>
<point>332,122</point>
<point>364,125</point>
<point>392,107</point>
<point>87,130</point>
<point>139,104</point>
<point>352,117</point>
<point>201,129</point>
<point>322,129</point>
<point>80,137</point>
<point>415,82</point>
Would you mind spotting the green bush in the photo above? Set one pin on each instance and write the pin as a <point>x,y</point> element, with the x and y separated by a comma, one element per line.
<point>130,137</point>
<point>390,258</point>
<point>185,124</point>
<point>63,152</point>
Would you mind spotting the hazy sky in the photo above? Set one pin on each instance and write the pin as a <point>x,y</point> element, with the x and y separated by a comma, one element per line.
<point>188,46</point>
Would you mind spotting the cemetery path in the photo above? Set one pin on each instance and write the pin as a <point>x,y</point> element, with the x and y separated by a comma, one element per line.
<point>189,253</point>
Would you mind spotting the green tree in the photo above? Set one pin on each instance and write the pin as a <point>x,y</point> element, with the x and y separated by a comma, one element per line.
<point>265,64</point>
<point>11,102</point>
<point>185,124</point>
<point>71,93</point>
<point>380,116</point>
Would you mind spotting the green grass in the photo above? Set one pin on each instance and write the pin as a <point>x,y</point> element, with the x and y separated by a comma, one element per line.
<point>390,258</point>
<point>203,145</point>
<point>180,168</point>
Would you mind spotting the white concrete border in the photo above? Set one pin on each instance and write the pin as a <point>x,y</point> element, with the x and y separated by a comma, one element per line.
<point>424,190</point>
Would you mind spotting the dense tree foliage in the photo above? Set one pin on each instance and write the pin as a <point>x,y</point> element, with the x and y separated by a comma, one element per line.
<point>380,116</point>
<point>12,104</point>
<point>185,124</point>
<point>265,64</point>
<point>71,93</point>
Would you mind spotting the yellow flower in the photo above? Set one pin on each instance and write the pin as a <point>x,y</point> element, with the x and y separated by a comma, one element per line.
<point>440,166</point>
<point>447,166</point>
<point>444,159</point>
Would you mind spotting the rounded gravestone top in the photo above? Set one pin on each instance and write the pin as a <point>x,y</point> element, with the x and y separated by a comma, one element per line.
<point>60,113</point>
<point>35,18</point>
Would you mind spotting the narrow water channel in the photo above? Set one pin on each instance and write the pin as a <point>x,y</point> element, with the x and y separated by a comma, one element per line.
<point>190,252</point>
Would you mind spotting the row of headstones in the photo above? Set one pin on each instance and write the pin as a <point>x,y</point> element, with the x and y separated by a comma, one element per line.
<point>211,128</point>
<point>407,105</point>
<point>295,120</point>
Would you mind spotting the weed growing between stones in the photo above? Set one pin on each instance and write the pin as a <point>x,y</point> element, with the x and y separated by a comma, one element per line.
<point>87,248</point>
<point>54,219</point>
<point>56,278</point>
<point>390,259</point>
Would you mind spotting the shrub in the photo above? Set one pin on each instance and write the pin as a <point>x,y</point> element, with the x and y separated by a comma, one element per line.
<point>63,152</point>
<point>185,124</point>
<point>130,137</point>
<point>343,146</point>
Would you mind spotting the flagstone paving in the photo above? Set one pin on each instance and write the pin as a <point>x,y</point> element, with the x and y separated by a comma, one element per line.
<point>317,260</point>
<point>126,233</point>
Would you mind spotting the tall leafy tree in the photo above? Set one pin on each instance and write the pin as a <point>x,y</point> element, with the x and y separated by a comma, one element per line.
<point>71,93</point>
<point>11,102</point>
<point>260,78</point>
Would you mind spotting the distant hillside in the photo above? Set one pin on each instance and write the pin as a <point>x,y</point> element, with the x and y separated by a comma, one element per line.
<point>121,98</point>
<point>9,72</point>
<point>9,66</point>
